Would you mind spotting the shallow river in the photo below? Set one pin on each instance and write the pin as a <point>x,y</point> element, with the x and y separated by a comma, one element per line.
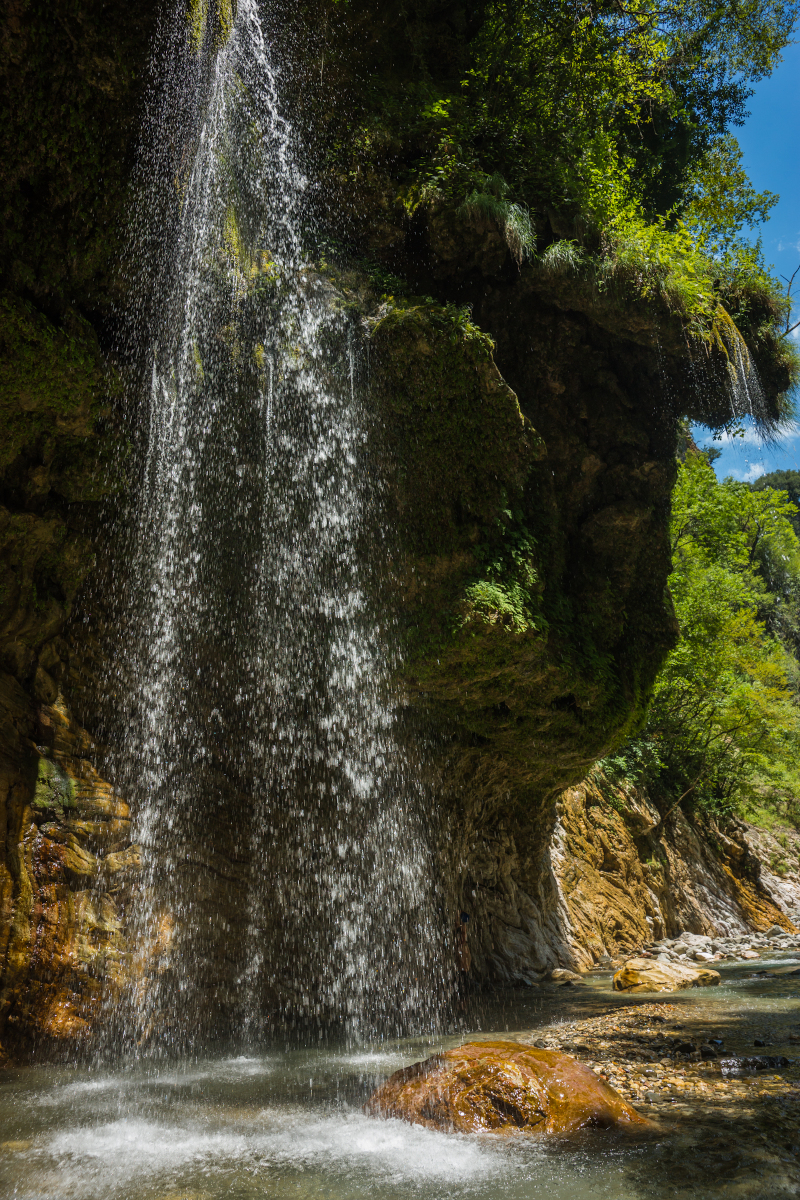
<point>289,1123</point>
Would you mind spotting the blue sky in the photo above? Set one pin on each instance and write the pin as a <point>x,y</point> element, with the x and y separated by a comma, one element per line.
<point>770,141</point>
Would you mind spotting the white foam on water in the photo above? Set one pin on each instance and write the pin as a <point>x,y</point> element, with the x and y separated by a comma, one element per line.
<point>388,1148</point>
<point>227,1070</point>
<point>82,1088</point>
<point>115,1154</point>
<point>389,1061</point>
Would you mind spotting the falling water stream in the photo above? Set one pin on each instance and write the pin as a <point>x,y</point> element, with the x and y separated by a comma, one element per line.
<point>286,871</point>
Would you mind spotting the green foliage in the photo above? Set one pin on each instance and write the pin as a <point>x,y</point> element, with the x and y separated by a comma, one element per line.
<point>637,762</point>
<point>652,261</point>
<point>584,107</point>
<point>778,864</point>
<point>730,307</point>
<point>596,138</point>
<point>721,200</point>
<point>510,588</point>
<point>778,567</point>
<point>783,481</point>
<point>514,220</point>
<point>724,724</point>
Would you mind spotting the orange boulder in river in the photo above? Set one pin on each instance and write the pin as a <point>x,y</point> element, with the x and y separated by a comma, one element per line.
<point>503,1087</point>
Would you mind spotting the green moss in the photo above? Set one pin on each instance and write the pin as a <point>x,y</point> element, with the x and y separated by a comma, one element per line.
<point>196,15</point>
<point>54,788</point>
<point>52,381</point>
<point>226,15</point>
<point>472,451</point>
<point>222,21</point>
<point>461,452</point>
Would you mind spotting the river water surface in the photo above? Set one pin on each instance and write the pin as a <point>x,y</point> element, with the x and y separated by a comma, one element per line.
<point>288,1122</point>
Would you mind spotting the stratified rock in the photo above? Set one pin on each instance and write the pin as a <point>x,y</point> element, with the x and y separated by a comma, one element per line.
<point>651,975</point>
<point>560,975</point>
<point>503,1087</point>
<point>72,878</point>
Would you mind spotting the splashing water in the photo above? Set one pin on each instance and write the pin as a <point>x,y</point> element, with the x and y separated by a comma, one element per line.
<point>286,869</point>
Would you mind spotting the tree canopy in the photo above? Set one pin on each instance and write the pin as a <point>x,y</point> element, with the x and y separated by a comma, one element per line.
<point>574,104</point>
<point>723,729</point>
<point>604,128</point>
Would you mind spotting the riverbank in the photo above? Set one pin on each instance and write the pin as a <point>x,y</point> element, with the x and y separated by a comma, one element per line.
<point>602,877</point>
<point>728,1122</point>
<point>716,1069</point>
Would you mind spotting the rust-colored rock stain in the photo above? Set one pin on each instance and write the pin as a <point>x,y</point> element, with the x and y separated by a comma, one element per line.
<point>504,1088</point>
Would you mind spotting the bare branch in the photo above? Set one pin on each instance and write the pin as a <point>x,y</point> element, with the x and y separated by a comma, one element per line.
<point>789,286</point>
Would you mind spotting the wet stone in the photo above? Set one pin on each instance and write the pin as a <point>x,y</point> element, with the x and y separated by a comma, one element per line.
<point>505,1088</point>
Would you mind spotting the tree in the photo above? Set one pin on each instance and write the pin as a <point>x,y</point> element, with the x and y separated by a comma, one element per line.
<point>721,201</point>
<point>724,722</point>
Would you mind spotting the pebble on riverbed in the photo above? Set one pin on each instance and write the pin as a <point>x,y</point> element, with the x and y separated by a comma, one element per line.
<point>703,948</point>
<point>683,1066</point>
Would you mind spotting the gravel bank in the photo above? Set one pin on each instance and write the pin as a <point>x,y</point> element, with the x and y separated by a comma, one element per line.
<point>729,1129</point>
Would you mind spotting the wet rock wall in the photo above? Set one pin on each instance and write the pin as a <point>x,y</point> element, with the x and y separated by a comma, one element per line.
<point>532,485</point>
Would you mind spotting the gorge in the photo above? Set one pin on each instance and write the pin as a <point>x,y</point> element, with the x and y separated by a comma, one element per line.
<point>332,492</point>
<point>336,502</point>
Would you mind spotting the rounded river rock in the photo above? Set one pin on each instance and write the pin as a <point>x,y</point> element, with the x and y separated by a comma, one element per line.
<point>502,1087</point>
<point>647,975</point>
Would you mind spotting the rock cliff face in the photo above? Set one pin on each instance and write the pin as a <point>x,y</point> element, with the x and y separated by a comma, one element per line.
<point>528,452</point>
<point>64,834</point>
<point>71,92</point>
<point>65,873</point>
<point>533,526</point>
<point>597,876</point>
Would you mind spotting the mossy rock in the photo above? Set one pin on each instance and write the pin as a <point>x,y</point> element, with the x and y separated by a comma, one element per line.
<point>501,640</point>
<point>54,788</point>
<point>53,383</point>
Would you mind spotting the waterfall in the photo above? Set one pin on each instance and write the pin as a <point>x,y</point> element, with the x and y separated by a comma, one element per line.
<point>287,871</point>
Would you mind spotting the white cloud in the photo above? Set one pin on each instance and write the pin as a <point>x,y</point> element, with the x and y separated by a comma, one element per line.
<point>747,437</point>
<point>754,471</point>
